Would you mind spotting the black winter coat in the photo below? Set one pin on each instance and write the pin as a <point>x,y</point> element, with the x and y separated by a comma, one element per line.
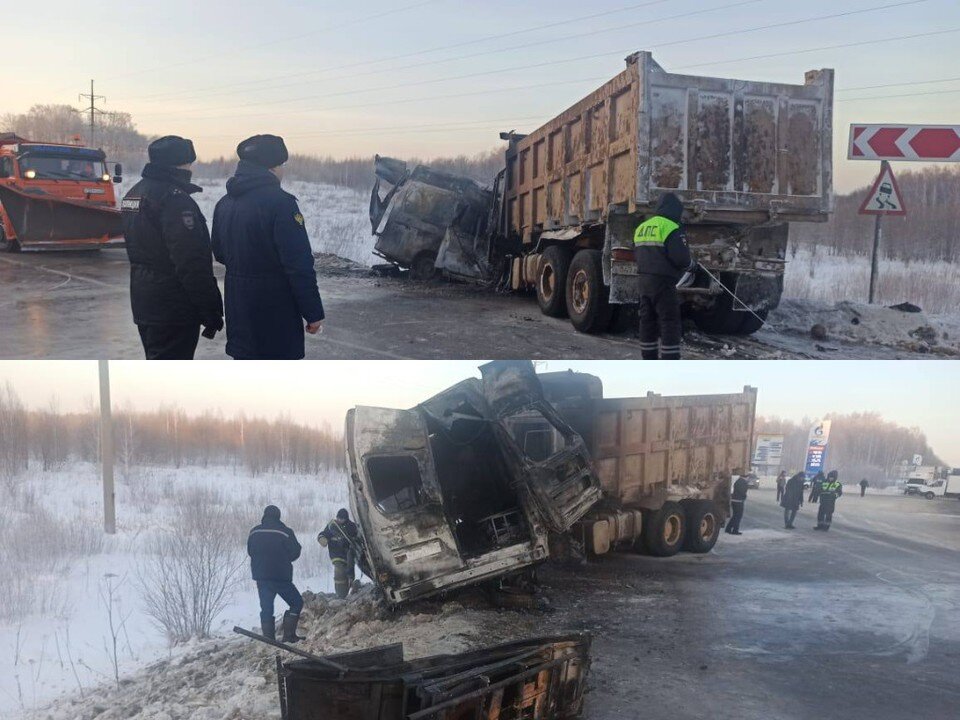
<point>171,269</point>
<point>340,538</point>
<point>793,493</point>
<point>272,548</point>
<point>271,286</point>
<point>673,258</point>
<point>739,489</point>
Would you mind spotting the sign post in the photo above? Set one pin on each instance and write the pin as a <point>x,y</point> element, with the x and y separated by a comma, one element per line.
<point>884,198</point>
<point>817,448</point>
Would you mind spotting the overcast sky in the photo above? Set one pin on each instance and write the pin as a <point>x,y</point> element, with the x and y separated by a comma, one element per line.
<point>327,74</point>
<point>914,394</point>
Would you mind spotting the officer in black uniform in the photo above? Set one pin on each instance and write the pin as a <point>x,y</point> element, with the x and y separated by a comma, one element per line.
<point>737,499</point>
<point>828,492</point>
<point>272,548</point>
<point>173,291</point>
<point>663,263</point>
<point>340,538</point>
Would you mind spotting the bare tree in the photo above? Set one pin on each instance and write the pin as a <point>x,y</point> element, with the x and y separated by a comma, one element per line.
<point>14,451</point>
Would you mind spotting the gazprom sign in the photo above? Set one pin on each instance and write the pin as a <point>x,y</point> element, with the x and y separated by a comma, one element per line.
<point>817,447</point>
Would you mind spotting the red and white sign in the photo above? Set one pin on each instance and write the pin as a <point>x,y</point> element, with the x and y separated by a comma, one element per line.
<point>929,143</point>
<point>884,197</point>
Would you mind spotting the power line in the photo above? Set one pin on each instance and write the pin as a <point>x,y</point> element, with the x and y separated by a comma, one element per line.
<point>886,97</point>
<point>93,109</point>
<point>285,39</point>
<point>899,84</point>
<point>711,36</point>
<point>438,48</point>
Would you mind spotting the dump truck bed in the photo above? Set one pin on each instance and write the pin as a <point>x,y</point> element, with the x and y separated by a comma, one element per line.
<point>738,151</point>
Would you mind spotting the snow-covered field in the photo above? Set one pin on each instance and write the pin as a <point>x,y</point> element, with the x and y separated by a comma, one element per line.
<point>57,567</point>
<point>824,277</point>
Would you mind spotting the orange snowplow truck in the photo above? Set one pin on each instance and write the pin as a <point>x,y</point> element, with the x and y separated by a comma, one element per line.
<point>56,196</point>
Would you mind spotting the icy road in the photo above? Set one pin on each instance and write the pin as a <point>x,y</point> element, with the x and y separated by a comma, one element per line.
<point>76,305</point>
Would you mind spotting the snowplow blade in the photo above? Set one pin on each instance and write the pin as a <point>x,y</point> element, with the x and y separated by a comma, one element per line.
<point>541,678</point>
<point>47,220</point>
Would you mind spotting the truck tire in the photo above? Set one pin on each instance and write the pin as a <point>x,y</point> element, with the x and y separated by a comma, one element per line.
<point>6,244</point>
<point>929,495</point>
<point>552,281</point>
<point>664,534</point>
<point>703,527</point>
<point>587,298</point>
<point>423,267</point>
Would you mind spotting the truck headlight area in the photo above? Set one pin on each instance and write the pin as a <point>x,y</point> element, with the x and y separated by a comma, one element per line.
<point>30,174</point>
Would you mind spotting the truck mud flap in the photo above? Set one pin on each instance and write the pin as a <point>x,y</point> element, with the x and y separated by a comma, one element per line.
<point>758,292</point>
<point>541,678</point>
<point>44,218</point>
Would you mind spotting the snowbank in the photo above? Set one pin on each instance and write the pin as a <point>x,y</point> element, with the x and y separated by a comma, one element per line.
<point>872,324</point>
<point>234,678</point>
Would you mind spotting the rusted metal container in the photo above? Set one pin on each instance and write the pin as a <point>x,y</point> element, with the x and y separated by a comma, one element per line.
<point>736,150</point>
<point>540,679</point>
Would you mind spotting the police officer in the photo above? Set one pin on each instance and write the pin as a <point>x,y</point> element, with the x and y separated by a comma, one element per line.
<point>272,548</point>
<point>340,538</point>
<point>172,288</point>
<point>828,492</point>
<point>663,260</point>
<point>737,498</point>
<point>259,235</point>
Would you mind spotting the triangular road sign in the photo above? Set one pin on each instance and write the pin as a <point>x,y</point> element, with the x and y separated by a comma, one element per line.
<point>884,197</point>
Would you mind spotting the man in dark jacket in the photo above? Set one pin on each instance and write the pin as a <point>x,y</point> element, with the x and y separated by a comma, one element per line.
<point>827,493</point>
<point>863,487</point>
<point>663,260</point>
<point>340,538</point>
<point>737,498</point>
<point>781,484</point>
<point>259,235</point>
<point>272,548</point>
<point>792,499</point>
<point>815,487</point>
<point>172,288</point>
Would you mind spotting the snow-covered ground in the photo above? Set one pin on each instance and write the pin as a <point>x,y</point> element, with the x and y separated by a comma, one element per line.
<point>824,277</point>
<point>337,218</point>
<point>56,566</point>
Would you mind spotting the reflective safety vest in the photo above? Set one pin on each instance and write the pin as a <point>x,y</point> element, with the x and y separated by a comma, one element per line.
<point>654,231</point>
<point>828,487</point>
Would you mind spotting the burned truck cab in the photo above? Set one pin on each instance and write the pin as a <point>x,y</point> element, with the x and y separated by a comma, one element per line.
<point>446,496</point>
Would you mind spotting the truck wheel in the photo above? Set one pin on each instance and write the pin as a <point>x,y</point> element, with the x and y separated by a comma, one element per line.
<point>423,268</point>
<point>664,534</point>
<point>8,244</point>
<point>929,495</point>
<point>703,527</point>
<point>587,298</point>
<point>552,281</point>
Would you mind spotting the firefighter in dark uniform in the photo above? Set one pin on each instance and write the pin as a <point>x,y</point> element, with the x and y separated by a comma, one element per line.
<point>340,537</point>
<point>827,492</point>
<point>737,498</point>
<point>272,548</point>
<point>260,236</point>
<point>663,262</point>
<point>173,291</point>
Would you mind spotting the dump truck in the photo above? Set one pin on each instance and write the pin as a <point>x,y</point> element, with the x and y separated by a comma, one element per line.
<point>58,196</point>
<point>746,158</point>
<point>475,483</point>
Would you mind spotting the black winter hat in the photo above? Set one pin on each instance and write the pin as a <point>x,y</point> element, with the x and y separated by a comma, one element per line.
<point>267,151</point>
<point>171,150</point>
<point>271,512</point>
<point>832,475</point>
<point>670,207</point>
<point>342,514</point>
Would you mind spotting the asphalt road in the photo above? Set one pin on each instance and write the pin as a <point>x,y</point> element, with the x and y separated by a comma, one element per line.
<point>860,622</point>
<point>76,306</point>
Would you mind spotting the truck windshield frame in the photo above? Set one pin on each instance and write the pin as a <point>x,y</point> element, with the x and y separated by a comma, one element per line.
<point>396,482</point>
<point>62,166</point>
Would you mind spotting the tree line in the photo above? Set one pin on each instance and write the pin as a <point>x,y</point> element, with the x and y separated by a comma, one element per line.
<point>168,436</point>
<point>861,445</point>
<point>931,230</point>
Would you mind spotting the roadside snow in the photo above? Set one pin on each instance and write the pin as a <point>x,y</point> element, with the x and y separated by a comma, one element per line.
<point>871,324</point>
<point>60,644</point>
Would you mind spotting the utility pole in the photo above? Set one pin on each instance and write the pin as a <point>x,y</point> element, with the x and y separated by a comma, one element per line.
<point>106,451</point>
<point>94,110</point>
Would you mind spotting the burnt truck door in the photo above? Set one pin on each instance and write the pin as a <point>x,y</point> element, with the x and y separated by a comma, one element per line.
<point>396,499</point>
<point>553,460</point>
